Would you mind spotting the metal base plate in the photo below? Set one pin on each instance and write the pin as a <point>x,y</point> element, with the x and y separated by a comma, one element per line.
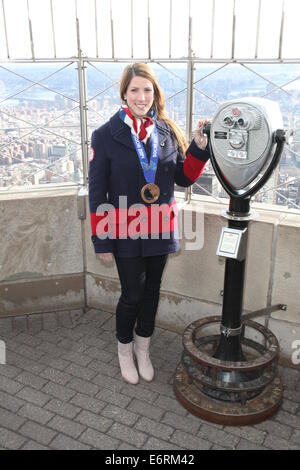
<point>251,216</point>
<point>255,411</point>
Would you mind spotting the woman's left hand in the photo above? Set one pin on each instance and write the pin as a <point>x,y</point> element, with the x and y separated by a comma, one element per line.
<point>200,138</point>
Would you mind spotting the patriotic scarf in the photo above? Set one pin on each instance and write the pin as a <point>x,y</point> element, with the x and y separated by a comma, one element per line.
<point>143,127</point>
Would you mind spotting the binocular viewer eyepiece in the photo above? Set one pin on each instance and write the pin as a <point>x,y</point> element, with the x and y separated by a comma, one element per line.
<point>246,139</point>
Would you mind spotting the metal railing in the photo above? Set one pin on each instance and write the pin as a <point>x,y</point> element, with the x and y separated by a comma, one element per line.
<point>191,85</point>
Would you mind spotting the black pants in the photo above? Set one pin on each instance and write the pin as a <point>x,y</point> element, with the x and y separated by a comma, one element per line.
<point>140,285</point>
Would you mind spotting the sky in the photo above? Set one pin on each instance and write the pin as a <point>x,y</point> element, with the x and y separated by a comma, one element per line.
<point>99,42</point>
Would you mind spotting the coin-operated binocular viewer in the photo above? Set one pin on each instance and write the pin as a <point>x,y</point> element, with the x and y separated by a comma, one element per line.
<point>231,377</point>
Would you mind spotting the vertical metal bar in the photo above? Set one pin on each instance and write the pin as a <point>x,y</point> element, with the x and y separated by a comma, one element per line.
<point>77,31</point>
<point>5,29</point>
<point>233,31</point>
<point>131,24</point>
<point>190,37</point>
<point>212,29</point>
<point>149,32</point>
<point>30,32</point>
<point>170,29</point>
<point>189,111</point>
<point>190,83</point>
<point>112,33</point>
<point>53,30</point>
<point>281,31</point>
<point>96,29</point>
<point>190,95</point>
<point>82,105</point>
<point>84,141</point>
<point>257,29</point>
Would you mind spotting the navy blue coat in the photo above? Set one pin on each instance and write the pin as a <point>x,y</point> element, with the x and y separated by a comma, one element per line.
<point>115,170</point>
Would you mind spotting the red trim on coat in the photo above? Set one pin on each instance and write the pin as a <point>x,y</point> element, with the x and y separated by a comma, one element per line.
<point>142,220</point>
<point>192,167</point>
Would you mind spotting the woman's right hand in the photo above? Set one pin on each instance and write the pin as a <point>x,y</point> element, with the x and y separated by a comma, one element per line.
<point>106,258</point>
<point>199,137</point>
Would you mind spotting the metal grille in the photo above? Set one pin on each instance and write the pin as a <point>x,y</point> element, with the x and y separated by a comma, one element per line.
<point>194,83</point>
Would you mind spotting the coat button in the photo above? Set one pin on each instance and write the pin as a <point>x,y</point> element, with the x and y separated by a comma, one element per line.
<point>162,144</point>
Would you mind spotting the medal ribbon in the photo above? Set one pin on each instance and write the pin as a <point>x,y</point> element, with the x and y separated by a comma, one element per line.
<point>149,169</point>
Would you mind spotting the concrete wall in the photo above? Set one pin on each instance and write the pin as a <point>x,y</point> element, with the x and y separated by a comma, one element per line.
<point>41,252</point>
<point>47,263</point>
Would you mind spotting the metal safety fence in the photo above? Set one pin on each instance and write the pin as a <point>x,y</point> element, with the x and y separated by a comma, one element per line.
<point>46,139</point>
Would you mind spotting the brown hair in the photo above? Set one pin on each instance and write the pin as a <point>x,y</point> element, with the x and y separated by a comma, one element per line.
<point>143,70</point>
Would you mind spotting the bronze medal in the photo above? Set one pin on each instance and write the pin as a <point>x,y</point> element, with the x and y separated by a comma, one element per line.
<point>150,193</point>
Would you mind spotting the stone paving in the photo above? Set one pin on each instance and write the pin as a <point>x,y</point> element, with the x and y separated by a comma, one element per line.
<point>61,389</point>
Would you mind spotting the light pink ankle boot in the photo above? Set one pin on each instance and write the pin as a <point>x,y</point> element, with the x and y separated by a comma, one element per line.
<point>141,349</point>
<point>127,366</point>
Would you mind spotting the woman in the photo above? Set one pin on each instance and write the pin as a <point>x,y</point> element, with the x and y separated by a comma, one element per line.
<point>136,157</point>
